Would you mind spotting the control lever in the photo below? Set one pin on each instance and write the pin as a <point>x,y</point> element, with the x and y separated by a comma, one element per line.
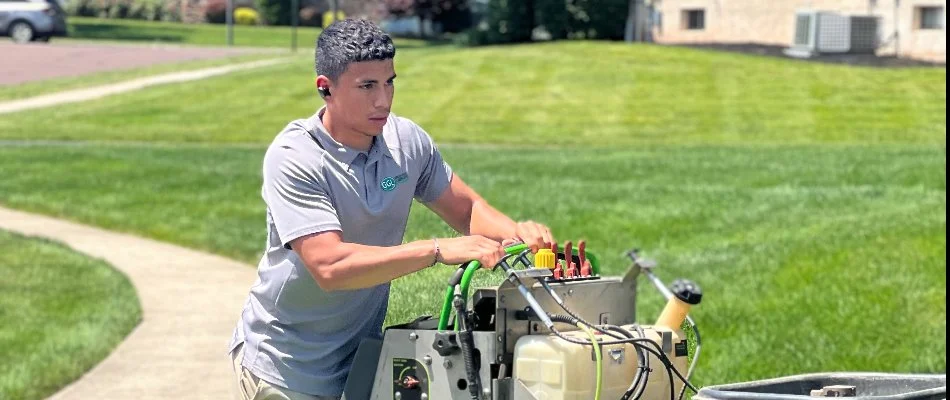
<point>584,262</point>
<point>569,261</point>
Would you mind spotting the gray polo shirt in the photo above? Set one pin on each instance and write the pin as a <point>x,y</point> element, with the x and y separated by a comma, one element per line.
<point>296,335</point>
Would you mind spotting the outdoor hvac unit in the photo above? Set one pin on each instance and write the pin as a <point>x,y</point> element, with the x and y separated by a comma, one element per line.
<point>823,32</point>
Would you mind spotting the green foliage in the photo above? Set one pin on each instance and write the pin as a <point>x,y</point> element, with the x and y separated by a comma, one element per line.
<point>275,12</point>
<point>504,21</point>
<point>598,19</point>
<point>149,10</point>
<point>555,17</point>
<point>246,16</point>
<point>512,21</point>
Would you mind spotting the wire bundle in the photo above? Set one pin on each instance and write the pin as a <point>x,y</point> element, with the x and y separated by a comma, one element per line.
<point>621,336</point>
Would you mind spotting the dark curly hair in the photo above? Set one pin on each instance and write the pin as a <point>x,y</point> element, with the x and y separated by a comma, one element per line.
<point>350,40</point>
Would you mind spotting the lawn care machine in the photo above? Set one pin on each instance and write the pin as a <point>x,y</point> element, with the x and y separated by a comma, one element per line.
<point>555,328</point>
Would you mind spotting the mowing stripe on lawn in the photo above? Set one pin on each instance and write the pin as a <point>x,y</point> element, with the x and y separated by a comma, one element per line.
<point>809,257</point>
<point>97,92</point>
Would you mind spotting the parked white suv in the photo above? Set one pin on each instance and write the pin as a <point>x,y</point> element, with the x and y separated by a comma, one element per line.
<point>32,20</point>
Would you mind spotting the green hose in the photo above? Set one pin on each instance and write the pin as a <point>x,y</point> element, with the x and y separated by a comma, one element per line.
<point>598,358</point>
<point>446,308</point>
<point>475,265</point>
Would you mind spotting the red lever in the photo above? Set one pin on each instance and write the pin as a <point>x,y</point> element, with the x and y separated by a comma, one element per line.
<point>585,263</point>
<point>569,261</point>
<point>558,272</point>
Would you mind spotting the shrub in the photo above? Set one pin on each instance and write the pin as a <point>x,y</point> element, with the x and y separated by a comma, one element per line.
<point>328,17</point>
<point>246,16</point>
<point>512,21</point>
<point>215,11</point>
<point>150,10</point>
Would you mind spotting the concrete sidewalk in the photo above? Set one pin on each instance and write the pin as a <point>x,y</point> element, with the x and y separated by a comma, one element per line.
<point>190,302</point>
<point>95,92</point>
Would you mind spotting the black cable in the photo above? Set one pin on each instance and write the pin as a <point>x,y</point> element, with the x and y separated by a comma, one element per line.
<point>669,369</point>
<point>563,306</point>
<point>574,319</point>
<point>467,344</point>
<point>672,384</point>
<point>643,388</point>
<point>698,340</point>
<point>643,362</point>
<point>658,352</point>
<point>643,373</point>
<point>669,365</point>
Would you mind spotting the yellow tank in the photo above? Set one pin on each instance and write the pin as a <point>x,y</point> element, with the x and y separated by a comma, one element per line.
<point>554,369</point>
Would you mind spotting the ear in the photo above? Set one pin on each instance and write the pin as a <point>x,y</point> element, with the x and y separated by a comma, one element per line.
<point>323,85</point>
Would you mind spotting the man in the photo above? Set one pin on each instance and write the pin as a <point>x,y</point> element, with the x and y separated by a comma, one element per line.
<point>338,188</point>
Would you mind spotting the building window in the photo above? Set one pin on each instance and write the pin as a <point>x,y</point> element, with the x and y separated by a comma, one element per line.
<point>694,20</point>
<point>929,18</point>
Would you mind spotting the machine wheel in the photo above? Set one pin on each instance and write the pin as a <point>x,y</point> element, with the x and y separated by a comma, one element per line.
<point>21,32</point>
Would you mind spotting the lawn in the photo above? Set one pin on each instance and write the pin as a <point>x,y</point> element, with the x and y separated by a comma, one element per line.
<point>122,30</point>
<point>809,201</point>
<point>127,30</point>
<point>586,94</point>
<point>47,86</point>
<point>794,247</point>
<point>60,314</point>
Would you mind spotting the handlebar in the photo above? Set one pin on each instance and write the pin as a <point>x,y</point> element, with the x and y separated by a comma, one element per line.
<point>468,270</point>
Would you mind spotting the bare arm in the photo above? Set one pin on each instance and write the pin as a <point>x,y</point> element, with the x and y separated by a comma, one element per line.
<point>338,265</point>
<point>469,214</point>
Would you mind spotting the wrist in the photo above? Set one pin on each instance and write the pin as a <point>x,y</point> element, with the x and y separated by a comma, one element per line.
<point>436,252</point>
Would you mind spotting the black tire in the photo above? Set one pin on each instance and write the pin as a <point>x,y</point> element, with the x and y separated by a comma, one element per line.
<point>21,32</point>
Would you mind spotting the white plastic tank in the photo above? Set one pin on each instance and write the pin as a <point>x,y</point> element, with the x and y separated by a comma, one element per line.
<point>551,368</point>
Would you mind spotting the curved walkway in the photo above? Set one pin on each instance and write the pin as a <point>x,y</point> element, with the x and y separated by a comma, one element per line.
<point>95,92</point>
<point>190,304</point>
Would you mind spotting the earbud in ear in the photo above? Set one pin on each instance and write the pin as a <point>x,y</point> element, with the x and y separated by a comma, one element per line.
<point>324,91</point>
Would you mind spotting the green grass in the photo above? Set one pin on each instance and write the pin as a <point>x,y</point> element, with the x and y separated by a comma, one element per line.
<point>86,28</point>
<point>811,258</point>
<point>60,314</point>
<point>29,89</point>
<point>809,201</point>
<point>204,34</point>
<point>553,94</point>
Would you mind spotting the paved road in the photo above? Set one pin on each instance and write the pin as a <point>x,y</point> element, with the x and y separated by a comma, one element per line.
<point>36,61</point>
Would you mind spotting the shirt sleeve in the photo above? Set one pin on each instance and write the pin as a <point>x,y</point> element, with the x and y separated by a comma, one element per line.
<point>298,202</point>
<point>436,174</point>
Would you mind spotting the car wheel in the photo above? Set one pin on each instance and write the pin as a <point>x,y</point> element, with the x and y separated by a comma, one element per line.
<point>21,32</point>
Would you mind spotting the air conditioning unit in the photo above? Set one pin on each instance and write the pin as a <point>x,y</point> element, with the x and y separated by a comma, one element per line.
<point>825,32</point>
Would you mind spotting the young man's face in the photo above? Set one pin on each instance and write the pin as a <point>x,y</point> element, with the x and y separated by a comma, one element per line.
<point>362,96</point>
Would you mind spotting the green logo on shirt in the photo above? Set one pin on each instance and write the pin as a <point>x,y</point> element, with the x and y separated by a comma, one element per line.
<point>389,184</point>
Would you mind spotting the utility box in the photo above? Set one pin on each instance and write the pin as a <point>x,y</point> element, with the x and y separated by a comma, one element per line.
<point>824,32</point>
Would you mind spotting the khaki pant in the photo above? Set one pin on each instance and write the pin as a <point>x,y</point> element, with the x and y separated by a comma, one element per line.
<point>250,387</point>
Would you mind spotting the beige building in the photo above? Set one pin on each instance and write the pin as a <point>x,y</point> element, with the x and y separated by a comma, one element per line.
<point>909,28</point>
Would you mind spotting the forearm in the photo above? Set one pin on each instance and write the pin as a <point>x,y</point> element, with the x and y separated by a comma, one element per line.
<point>486,221</point>
<point>355,266</point>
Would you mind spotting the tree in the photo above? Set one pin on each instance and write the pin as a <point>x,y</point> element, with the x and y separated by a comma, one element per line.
<point>452,15</point>
<point>275,12</point>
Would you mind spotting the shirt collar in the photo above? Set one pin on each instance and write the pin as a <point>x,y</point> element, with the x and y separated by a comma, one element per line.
<point>341,151</point>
